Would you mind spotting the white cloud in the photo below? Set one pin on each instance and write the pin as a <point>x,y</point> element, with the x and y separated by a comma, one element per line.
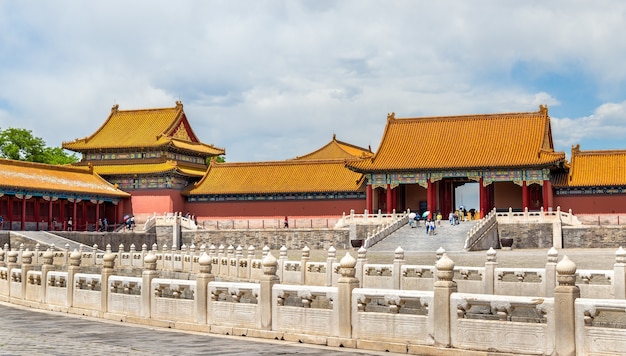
<point>606,124</point>
<point>273,80</point>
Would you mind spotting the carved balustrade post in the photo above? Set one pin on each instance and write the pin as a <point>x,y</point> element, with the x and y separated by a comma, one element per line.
<point>489,278</point>
<point>203,278</point>
<point>619,274</point>
<point>346,283</point>
<point>443,288</point>
<point>330,260</point>
<point>11,265</point>
<point>268,280</point>
<point>47,266</point>
<point>565,295</point>
<point>108,265</point>
<point>3,255</point>
<point>303,264</point>
<point>282,259</point>
<point>398,261</point>
<point>72,269</point>
<point>27,259</point>
<point>147,275</point>
<point>550,277</point>
<point>361,261</point>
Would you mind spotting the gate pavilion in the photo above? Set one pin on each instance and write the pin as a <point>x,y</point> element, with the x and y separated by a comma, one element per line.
<point>420,162</point>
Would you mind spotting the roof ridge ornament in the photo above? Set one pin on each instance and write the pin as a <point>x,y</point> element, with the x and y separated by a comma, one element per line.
<point>391,116</point>
<point>543,109</point>
<point>115,108</point>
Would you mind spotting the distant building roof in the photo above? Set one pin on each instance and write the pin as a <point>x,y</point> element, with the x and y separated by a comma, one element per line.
<point>145,128</point>
<point>597,168</point>
<point>336,149</point>
<point>464,142</point>
<point>19,176</point>
<point>274,177</point>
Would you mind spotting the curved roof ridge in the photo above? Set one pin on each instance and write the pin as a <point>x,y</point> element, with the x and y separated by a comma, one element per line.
<point>336,149</point>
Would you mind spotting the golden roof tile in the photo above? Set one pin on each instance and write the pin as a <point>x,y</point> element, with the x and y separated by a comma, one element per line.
<point>148,168</point>
<point>597,168</point>
<point>144,128</point>
<point>53,178</point>
<point>336,149</point>
<point>471,141</point>
<point>310,176</point>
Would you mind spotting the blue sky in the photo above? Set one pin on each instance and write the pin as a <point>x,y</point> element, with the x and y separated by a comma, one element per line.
<point>271,80</point>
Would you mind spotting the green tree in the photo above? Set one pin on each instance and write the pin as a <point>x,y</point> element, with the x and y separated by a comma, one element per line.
<point>21,145</point>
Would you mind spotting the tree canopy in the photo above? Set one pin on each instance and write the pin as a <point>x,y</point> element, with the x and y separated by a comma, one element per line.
<point>20,144</point>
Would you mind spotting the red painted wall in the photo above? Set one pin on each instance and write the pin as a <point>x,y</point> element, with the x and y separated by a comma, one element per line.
<point>145,203</point>
<point>275,208</point>
<point>595,204</point>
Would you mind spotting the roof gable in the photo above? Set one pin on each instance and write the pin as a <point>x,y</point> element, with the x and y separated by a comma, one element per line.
<point>336,149</point>
<point>471,141</point>
<point>143,128</point>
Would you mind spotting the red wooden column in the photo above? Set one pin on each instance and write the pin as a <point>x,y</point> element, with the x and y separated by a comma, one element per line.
<point>482,198</point>
<point>84,212</point>
<point>388,197</point>
<point>430,197</point>
<point>525,196</point>
<point>74,221</point>
<point>10,212</point>
<point>368,198</point>
<point>394,198</point>
<point>97,213</point>
<point>37,214</point>
<point>23,212</point>
<point>50,227</point>
<point>547,195</point>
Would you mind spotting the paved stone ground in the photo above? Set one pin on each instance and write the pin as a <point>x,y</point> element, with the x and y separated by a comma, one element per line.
<point>25,331</point>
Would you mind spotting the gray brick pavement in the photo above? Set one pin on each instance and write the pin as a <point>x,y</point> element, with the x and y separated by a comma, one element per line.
<point>26,331</point>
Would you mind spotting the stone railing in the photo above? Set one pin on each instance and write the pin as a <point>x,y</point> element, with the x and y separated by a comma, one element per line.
<point>170,219</point>
<point>368,219</point>
<point>385,230</point>
<point>483,234</point>
<point>231,264</point>
<point>540,216</point>
<point>343,315</point>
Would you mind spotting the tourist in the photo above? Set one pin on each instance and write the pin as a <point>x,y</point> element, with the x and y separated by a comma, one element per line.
<point>412,219</point>
<point>70,224</point>
<point>1,223</point>
<point>105,225</point>
<point>100,225</point>
<point>451,218</point>
<point>431,227</point>
<point>439,218</point>
<point>286,222</point>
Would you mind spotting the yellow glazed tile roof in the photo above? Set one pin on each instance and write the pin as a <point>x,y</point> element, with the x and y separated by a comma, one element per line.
<point>145,128</point>
<point>148,168</point>
<point>457,142</point>
<point>597,168</point>
<point>51,178</point>
<point>336,149</point>
<point>278,177</point>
